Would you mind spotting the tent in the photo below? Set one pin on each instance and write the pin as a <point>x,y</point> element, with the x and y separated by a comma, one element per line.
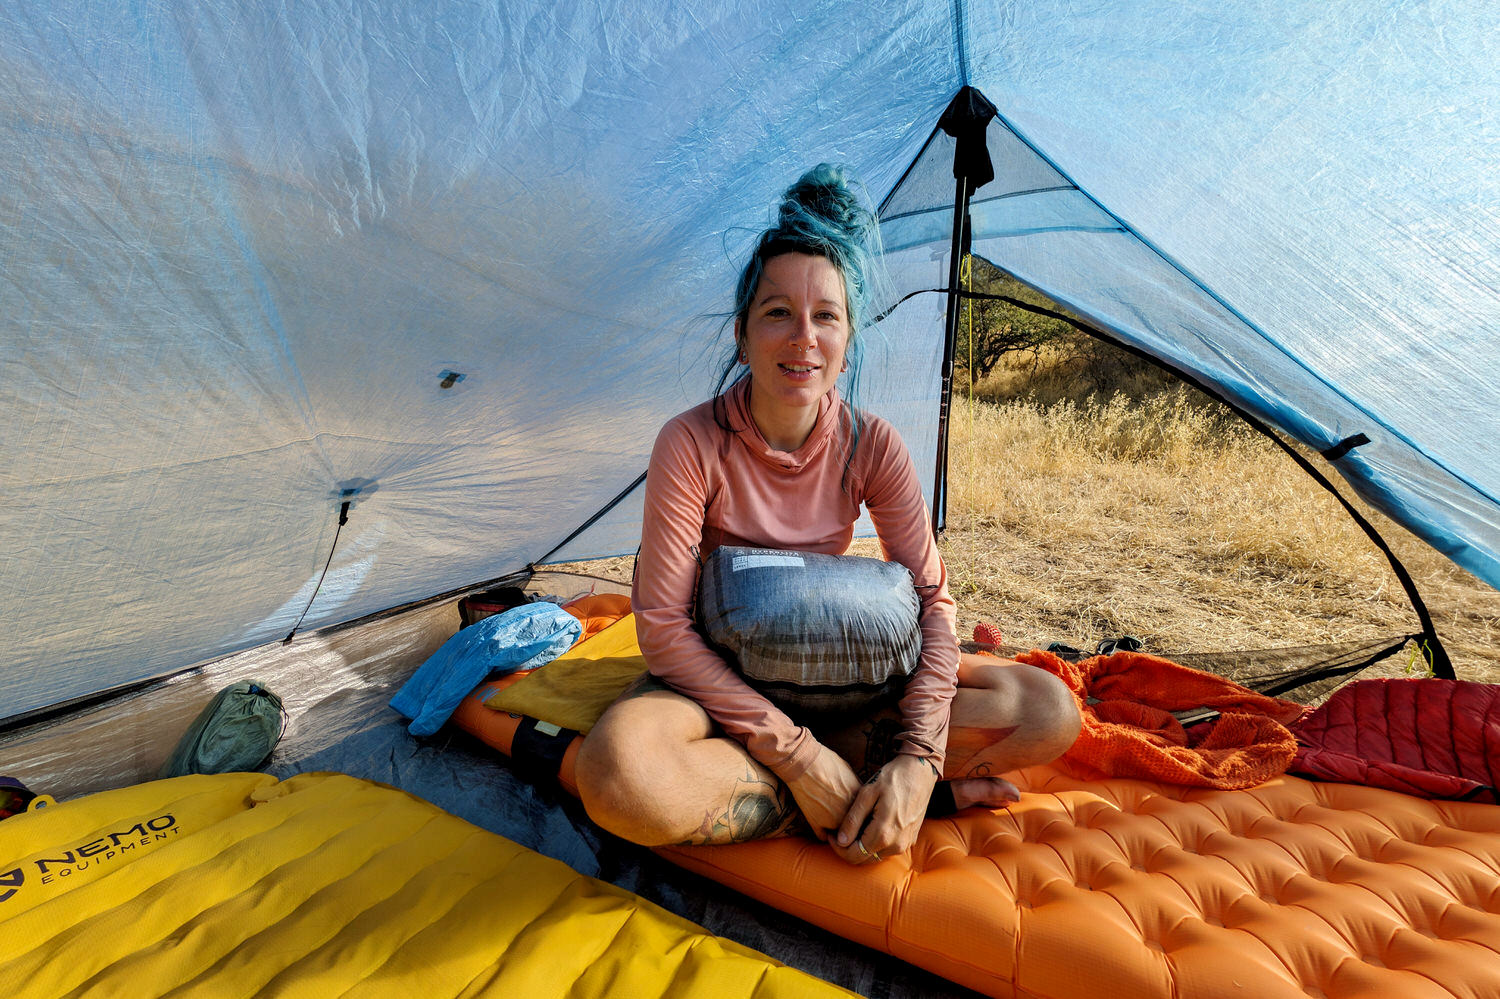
<point>311,311</point>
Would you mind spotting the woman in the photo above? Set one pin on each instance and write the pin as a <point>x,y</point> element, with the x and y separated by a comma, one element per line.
<point>692,753</point>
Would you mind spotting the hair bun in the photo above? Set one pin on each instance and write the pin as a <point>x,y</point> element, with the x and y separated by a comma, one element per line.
<point>822,215</point>
<point>823,197</point>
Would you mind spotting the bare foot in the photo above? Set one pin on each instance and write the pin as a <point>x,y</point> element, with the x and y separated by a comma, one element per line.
<point>985,792</point>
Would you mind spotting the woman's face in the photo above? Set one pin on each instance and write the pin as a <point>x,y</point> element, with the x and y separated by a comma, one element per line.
<point>794,337</point>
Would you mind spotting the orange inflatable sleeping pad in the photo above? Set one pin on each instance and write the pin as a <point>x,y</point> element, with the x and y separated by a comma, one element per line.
<point>1133,889</point>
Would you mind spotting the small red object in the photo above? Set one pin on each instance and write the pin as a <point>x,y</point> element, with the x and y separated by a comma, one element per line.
<point>988,634</point>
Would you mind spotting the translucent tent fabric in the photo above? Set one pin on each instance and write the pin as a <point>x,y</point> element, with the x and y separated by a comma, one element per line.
<point>244,248</point>
<point>1307,212</point>
<point>243,244</point>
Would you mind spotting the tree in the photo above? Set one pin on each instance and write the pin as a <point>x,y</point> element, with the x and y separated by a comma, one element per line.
<point>988,329</point>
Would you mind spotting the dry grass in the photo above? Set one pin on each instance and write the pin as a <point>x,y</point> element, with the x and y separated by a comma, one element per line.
<point>1155,512</point>
<point>1077,515</point>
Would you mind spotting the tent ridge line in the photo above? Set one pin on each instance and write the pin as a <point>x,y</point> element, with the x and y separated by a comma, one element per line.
<point>1253,327</point>
<point>961,40</point>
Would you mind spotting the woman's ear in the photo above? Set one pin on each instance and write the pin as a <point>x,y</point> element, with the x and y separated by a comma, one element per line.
<point>739,343</point>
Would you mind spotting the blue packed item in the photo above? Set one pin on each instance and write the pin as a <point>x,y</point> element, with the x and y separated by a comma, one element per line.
<point>521,638</point>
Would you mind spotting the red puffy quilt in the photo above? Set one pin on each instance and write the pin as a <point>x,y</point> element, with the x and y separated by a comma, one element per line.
<point>1424,737</point>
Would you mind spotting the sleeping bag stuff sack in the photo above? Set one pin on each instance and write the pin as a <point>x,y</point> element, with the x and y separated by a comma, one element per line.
<point>236,731</point>
<point>822,637</point>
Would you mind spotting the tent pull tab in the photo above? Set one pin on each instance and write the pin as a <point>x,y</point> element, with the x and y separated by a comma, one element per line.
<point>1344,446</point>
<point>346,496</point>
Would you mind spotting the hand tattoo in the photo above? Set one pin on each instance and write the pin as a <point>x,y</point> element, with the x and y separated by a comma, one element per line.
<point>881,740</point>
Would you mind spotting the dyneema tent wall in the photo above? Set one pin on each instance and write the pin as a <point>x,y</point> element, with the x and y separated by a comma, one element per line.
<point>443,269</point>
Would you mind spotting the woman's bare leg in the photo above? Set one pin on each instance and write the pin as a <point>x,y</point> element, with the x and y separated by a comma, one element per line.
<point>1012,716</point>
<point>1005,716</point>
<point>652,771</point>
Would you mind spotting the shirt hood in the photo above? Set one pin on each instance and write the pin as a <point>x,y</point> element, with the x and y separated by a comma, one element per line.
<point>737,408</point>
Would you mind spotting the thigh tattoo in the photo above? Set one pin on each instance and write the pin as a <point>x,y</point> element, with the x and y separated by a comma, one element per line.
<point>758,807</point>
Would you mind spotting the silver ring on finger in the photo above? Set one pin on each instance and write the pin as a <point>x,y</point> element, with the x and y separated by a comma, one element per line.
<point>860,842</point>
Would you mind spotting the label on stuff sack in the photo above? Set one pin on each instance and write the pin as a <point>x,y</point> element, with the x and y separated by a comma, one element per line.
<point>60,865</point>
<point>742,562</point>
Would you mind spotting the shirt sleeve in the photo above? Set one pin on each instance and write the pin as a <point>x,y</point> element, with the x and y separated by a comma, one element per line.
<point>893,495</point>
<point>663,596</point>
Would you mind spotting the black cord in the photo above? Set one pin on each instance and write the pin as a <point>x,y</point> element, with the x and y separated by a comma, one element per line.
<point>590,522</point>
<point>343,519</point>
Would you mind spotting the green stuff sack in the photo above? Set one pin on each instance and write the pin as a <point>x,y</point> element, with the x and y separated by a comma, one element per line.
<point>236,732</point>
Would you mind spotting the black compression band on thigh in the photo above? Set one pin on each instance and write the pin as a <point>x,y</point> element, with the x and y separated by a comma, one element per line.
<point>536,751</point>
<point>942,802</point>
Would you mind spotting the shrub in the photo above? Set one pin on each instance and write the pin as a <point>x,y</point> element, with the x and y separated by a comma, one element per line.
<point>989,329</point>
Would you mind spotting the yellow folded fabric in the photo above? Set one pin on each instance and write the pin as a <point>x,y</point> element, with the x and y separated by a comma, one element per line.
<point>573,690</point>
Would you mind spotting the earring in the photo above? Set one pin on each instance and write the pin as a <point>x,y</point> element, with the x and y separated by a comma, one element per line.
<point>744,357</point>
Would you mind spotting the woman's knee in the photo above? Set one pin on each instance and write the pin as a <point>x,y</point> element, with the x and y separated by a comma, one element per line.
<point>1034,705</point>
<point>626,765</point>
<point>614,760</point>
<point>1056,710</point>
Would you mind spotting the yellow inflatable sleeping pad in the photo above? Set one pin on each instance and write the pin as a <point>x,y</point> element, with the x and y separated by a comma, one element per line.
<point>324,885</point>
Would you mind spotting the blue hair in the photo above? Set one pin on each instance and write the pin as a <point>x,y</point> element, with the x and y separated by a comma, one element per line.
<point>820,215</point>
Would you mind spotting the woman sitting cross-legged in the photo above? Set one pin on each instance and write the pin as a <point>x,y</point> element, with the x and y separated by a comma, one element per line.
<point>693,753</point>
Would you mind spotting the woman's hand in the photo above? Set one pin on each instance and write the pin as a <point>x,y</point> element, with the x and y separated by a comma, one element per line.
<point>825,792</point>
<point>887,812</point>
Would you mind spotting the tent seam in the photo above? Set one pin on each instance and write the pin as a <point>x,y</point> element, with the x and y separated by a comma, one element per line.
<point>960,41</point>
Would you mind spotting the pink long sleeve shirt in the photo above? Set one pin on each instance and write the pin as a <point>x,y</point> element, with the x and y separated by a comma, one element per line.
<point>707,486</point>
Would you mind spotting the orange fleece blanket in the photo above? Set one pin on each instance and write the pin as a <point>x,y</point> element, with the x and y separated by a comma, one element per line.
<point>1127,700</point>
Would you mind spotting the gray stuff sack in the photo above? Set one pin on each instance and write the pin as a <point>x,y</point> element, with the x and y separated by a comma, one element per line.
<point>826,638</point>
<point>235,732</point>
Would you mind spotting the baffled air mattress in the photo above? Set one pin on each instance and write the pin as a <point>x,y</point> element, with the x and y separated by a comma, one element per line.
<point>324,885</point>
<point>1130,888</point>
